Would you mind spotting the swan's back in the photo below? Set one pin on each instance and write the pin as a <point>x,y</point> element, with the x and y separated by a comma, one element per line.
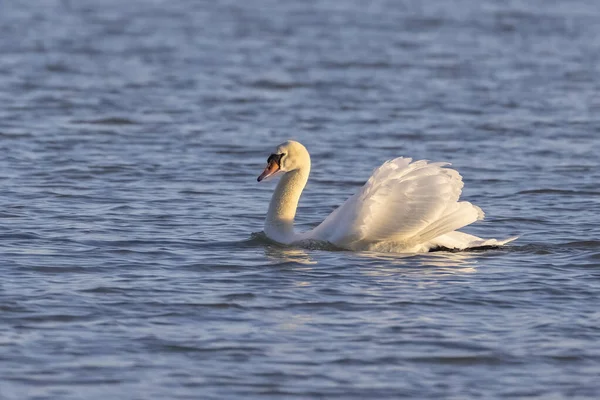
<point>404,205</point>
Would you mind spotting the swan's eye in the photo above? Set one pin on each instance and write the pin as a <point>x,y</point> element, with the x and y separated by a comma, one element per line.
<point>275,158</point>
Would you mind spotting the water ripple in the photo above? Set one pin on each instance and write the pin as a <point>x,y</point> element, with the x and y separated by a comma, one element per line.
<point>132,254</point>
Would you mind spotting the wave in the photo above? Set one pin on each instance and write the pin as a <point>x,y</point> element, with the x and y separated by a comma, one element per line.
<point>260,238</point>
<point>559,191</point>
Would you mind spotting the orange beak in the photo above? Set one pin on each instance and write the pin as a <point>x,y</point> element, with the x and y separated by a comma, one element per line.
<point>270,170</point>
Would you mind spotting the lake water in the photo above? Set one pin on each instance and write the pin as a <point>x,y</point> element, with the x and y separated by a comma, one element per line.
<point>132,133</point>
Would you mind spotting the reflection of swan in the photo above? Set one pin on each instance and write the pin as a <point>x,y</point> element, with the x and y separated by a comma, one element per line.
<point>289,254</point>
<point>436,264</point>
<point>403,207</point>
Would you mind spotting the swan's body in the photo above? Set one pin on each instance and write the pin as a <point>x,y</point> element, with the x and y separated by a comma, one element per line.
<point>404,207</point>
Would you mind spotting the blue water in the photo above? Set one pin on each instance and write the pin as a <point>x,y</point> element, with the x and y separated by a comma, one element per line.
<point>132,133</point>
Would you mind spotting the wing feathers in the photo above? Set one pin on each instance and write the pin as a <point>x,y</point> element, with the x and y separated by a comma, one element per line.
<point>402,201</point>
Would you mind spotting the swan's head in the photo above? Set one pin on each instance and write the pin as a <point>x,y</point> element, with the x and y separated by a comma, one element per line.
<point>288,156</point>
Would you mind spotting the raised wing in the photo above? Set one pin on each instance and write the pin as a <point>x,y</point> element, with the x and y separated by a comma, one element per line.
<point>402,202</point>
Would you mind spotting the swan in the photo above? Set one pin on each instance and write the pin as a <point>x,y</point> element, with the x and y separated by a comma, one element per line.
<point>404,207</point>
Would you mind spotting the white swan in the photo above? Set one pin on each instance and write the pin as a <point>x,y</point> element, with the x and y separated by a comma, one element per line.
<point>404,207</point>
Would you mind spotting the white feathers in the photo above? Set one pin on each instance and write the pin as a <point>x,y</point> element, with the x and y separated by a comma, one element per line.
<point>404,207</point>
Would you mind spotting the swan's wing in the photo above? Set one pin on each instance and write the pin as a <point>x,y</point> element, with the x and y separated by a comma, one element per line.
<point>402,202</point>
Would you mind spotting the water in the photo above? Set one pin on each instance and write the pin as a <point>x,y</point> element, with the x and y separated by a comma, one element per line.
<point>131,137</point>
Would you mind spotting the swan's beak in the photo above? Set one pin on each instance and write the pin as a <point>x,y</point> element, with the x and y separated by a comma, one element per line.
<point>272,168</point>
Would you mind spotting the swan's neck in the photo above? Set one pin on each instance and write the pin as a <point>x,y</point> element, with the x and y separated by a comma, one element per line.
<point>279,224</point>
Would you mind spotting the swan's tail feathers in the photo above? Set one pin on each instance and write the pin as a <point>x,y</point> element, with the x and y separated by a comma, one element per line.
<point>498,242</point>
<point>460,241</point>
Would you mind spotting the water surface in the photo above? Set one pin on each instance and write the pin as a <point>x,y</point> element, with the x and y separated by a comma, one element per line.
<point>132,134</point>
